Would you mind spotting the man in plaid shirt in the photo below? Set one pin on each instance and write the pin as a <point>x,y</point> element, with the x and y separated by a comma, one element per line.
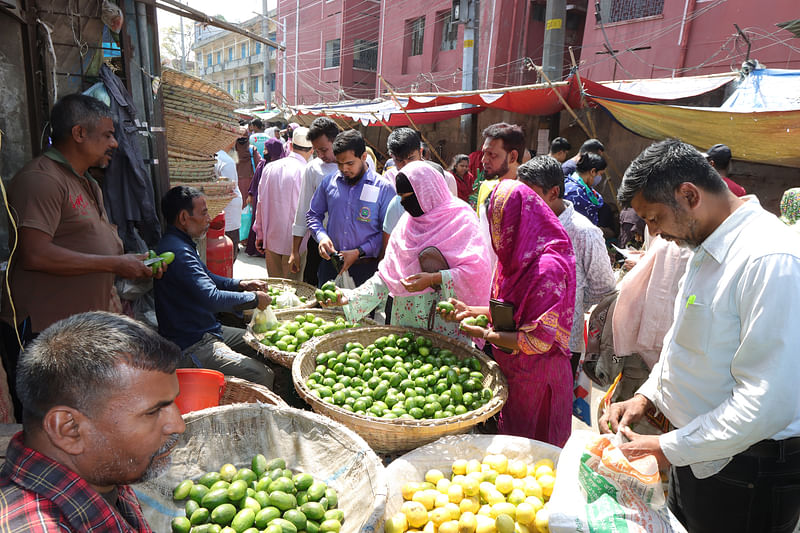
<point>98,392</point>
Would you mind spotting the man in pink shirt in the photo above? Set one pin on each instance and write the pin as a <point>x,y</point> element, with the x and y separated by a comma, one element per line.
<point>277,194</point>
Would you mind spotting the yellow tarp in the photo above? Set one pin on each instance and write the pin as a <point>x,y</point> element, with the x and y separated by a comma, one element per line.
<point>771,137</point>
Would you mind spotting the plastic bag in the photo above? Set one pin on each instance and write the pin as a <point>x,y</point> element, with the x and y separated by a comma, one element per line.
<point>287,298</point>
<point>597,490</point>
<point>345,281</point>
<point>263,320</point>
<point>247,222</point>
<point>581,395</point>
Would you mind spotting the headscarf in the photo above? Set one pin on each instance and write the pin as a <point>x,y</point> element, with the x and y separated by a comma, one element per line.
<point>449,225</point>
<point>536,264</point>
<point>790,206</point>
<point>273,149</point>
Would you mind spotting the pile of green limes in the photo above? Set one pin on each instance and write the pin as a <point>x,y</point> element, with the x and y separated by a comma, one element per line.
<point>267,498</point>
<point>328,291</point>
<point>288,336</point>
<point>399,377</point>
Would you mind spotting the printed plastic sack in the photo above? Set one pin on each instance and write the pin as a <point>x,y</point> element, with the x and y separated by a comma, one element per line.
<point>287,298</point>
<point>247,221</point>
<point>598,490</point>
<point>263,321</point>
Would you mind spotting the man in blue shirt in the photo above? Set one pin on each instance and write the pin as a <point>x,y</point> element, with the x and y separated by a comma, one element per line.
<point>355,199</point>
<point>187,300</point>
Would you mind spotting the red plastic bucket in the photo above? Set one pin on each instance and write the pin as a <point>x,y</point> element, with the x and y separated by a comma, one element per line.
<point>200,388</point>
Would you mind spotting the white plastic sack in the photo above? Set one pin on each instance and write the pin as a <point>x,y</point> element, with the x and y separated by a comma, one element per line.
<point>263,320</point>
<point>442,453</point>
<point>287,298</point>
<point>308,442</point>
<point>608,505</point>
<point>345,281</point>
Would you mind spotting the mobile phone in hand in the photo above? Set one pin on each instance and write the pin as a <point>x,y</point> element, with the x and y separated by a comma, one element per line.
<point>337,261</point>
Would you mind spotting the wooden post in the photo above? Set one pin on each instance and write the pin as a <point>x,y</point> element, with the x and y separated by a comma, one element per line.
<point>563,102</point>
<point>583,97</point>
<point>411,121</point>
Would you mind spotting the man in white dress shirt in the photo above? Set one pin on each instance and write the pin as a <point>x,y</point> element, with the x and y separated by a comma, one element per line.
<point>727,378</point>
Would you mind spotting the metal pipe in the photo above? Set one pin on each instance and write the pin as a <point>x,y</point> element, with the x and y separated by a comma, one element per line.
<point>296,46</point>
<point>683,39</point>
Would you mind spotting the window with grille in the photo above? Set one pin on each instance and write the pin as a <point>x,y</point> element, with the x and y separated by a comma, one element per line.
<point>208,60</point>
<point>365,55</point>
<point>229,86</point>
<point>258,48</point>
<point>230,54</point>
<point>415,29</point>
<point>254,83</point>
<point>244,50</point>
<point>621,10</point>
<point>449,32</point>
<point>332,48</point>
<point>219,58</point>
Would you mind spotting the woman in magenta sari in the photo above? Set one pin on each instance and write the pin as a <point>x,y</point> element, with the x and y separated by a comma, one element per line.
<point>536,275</point>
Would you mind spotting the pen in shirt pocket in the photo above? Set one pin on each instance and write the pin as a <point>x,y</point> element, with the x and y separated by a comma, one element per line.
<point>690,300</point>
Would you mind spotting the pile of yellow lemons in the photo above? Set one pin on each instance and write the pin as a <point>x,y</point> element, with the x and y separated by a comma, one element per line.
<point>493,495</point>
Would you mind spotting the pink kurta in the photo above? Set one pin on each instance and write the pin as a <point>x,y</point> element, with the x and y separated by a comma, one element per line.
<point>278,193</point>
<point>536,274</point>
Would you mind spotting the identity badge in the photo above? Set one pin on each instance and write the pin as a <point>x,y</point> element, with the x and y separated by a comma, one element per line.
<point>364,214</point>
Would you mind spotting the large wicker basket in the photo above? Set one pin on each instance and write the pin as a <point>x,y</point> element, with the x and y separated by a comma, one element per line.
<point>300,289</point>
<point>203,136</point>
<point>243,391</point>
<point>287,358</point>
<point>395,435</point>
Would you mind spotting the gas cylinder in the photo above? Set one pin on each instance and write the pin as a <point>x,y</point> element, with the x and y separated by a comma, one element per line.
<point>219,248</point>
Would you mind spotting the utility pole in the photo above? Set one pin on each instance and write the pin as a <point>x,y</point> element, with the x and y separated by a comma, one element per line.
<point>265,33</point>
<point>466,13</point>
<point>553,52</point>
<point>183,49</point>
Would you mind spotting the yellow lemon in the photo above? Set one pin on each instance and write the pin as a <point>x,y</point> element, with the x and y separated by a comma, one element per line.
<point>504,483</point>
<point>451,526</point>
<point>477,476</point>
<point>532,488</point>
<point>430,527</point>
<point>519,483</point>
<point>425,498</point>
<point>535,502</point>
<point>409,489</point>
<point>498,462</point>
<point>485,510</point>
<point>516,497</point>
<point>425,485</point>
<point>439,516</point>
<point>460,467</point>
<point>526,513</point>
<point>520,528</point>
<point>442,485</point>
<point>469,505</point>
<point>433,476</point>
<point>398,523</point>
<point>441,500</point>
<point>543,470</point>
<point>416,514</point>
<point>471,486</point>
<point>518,469</point>
<point>454,510</point>
<point>455,492</point>
<point>546,481</point>
<point>485,488</point>
<point>542,522</point>
<point>473,465</point>
<point>504,524</point>
<point>490,475</point>
<point>548,462</point>
<point>467,523</point>
<point>458,478</point>
<point>494,497</point>
<point>485,524</point>
<point>504,508</point>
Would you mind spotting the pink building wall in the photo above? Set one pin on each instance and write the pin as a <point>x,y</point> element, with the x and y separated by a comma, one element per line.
<point>703,42</point>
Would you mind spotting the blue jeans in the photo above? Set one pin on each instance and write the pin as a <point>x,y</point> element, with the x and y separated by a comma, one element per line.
<point>360,272</point>
<point>758,491</point>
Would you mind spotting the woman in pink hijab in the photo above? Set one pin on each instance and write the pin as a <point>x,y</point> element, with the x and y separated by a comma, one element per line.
<point>535,282</point>
<point>433,218</point>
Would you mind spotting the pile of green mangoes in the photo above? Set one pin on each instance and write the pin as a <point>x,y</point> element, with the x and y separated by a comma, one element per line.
<point>166,258</point>
<point>328,291</point>
<point>288,336</point>
<point>399,377</point>
<point>480,320</point>
<point>267,498</point>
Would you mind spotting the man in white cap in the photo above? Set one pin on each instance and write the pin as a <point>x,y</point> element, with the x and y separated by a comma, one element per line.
<point>278,193</point>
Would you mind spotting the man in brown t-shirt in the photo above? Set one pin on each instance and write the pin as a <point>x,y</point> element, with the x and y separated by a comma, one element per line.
<point>68,252</point>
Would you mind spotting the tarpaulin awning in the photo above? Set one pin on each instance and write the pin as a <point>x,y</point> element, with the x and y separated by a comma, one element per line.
<point>541,99</point>
<point>387,112</point>
<point>766,90</point>
<point>770,137</point>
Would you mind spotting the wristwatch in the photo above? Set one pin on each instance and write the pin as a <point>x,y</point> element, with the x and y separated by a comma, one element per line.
<point>361,252</point>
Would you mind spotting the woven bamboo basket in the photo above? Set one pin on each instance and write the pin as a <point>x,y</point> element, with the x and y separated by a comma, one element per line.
<point>177,78</point>
<point>300,289</point>
<point>198,134</point>
<point>389,436</point>
<point>216,204</point>
<point>287,358</point>
<point>243,391</point>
